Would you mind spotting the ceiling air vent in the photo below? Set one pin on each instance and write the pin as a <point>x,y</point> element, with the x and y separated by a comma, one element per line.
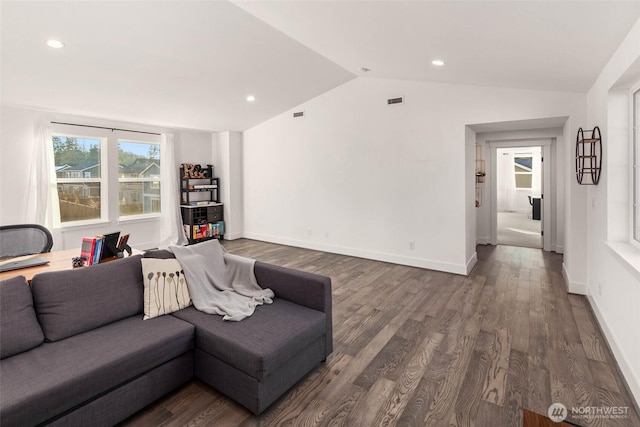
<point>394,101</point>
<point>298,114</point>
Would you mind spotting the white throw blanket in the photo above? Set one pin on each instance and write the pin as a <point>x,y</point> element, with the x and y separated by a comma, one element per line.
<point>220,282</point>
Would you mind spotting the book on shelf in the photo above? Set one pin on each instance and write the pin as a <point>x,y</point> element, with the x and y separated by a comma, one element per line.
<point>217,229</point>
<point>87,250</point>
<point>202,186</point>
<point>101,246</point>
<point>97,253</point>
<point>203,231</point>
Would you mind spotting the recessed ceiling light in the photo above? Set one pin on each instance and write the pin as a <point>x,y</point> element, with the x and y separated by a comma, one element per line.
<point>251,98</point>
<point>56,44</point>
<point>438,62</point>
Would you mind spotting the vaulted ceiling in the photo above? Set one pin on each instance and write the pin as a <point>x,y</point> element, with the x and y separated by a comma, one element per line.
<point>191,64</point>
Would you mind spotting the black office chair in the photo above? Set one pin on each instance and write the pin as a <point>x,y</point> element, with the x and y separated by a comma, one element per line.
<point>24,239</point>
<point>535,207</point>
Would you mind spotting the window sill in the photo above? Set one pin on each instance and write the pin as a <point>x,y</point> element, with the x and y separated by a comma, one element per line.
<point>138,218</point>
<point>628,254</point>
<point>81,225</point>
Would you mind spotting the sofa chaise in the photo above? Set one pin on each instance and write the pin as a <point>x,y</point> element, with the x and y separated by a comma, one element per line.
<point>74,349</point>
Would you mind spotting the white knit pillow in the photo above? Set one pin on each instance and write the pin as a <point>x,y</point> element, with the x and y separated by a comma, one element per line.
<point>165,287</point>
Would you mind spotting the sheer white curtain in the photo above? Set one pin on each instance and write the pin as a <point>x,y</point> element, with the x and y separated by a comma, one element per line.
<point>43,206</point>
<point>506,182</point>
<point>171,231</point>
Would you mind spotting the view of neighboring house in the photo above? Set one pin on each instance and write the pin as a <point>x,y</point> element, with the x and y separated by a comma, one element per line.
<point>79,189</point>
<point>83,170</point>
<point>136,192</point>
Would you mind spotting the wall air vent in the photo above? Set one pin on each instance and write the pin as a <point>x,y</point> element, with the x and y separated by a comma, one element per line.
<point>395,101</point>
<point>298,114</point>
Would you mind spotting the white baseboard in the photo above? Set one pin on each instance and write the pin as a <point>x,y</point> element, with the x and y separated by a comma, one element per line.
<point>573,287</point>
<point>362,253</point>
<point>232,236</point>
<point>630,376</point>
<point>472,262</point>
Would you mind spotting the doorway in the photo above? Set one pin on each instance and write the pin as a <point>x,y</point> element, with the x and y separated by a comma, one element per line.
<point>519,196</point>
<point>519,200</point>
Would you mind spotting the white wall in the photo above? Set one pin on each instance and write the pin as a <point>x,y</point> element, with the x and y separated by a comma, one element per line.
<point>613,282</point>
<point>356,176</point>
<point>228,153</point>
<point>17,127</point>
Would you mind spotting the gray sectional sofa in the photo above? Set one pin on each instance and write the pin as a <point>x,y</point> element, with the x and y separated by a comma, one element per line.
<point>75,350</point>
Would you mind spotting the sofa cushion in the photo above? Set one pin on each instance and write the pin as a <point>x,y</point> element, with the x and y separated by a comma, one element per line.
<point>165,287</point>
<point>19,327</point>
<point>51,379</point>
<point>259,344</point>
<point>70,302</point>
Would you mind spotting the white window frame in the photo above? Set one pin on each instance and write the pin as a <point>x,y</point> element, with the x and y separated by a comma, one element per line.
<point>530,155</point>
<point>78,178</point>
<point>154,182</point>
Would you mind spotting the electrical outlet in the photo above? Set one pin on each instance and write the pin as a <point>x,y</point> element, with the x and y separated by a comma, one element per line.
<point>309,232</point>
<point>412,245</point>
<point>326,234</point>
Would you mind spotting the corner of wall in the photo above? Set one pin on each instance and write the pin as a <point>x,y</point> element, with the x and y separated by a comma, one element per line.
<point>472,262</point>
<point>573,287</point>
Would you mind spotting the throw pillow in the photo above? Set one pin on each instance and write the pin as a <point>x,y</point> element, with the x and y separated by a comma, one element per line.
<point>165,287</point>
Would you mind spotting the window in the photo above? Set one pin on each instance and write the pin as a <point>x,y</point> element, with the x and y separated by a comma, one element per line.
<point>138,178</point>
<point>522,165</point>
<point>79,179</point>
<point>636,165</point>
<point>101,175</point>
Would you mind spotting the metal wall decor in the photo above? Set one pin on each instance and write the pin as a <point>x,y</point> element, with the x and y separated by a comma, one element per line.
<point>588,156</point>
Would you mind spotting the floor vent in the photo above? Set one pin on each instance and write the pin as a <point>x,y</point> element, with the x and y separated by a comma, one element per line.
<point>298,114</point>
<point>395,101</point>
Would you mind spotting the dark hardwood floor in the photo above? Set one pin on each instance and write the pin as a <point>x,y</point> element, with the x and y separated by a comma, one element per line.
<point>416,347</point>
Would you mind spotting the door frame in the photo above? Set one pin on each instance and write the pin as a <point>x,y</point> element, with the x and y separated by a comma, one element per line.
<point>547,199</point>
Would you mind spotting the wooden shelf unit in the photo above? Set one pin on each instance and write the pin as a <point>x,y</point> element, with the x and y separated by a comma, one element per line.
<point>202,215</point>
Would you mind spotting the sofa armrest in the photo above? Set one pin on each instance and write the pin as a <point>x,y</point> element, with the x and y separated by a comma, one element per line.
<point>300,287</point>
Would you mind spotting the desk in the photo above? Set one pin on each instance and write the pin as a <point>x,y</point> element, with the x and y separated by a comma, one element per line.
<point>58,260</point>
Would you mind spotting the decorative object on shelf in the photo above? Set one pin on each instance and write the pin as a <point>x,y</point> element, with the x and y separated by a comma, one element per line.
<point>77,262</point>
<point>190,171</point>
<point>480,174</point>
<point>588,156</point>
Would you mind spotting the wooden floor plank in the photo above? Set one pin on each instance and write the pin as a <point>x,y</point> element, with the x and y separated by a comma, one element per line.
<point>415,347</point>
